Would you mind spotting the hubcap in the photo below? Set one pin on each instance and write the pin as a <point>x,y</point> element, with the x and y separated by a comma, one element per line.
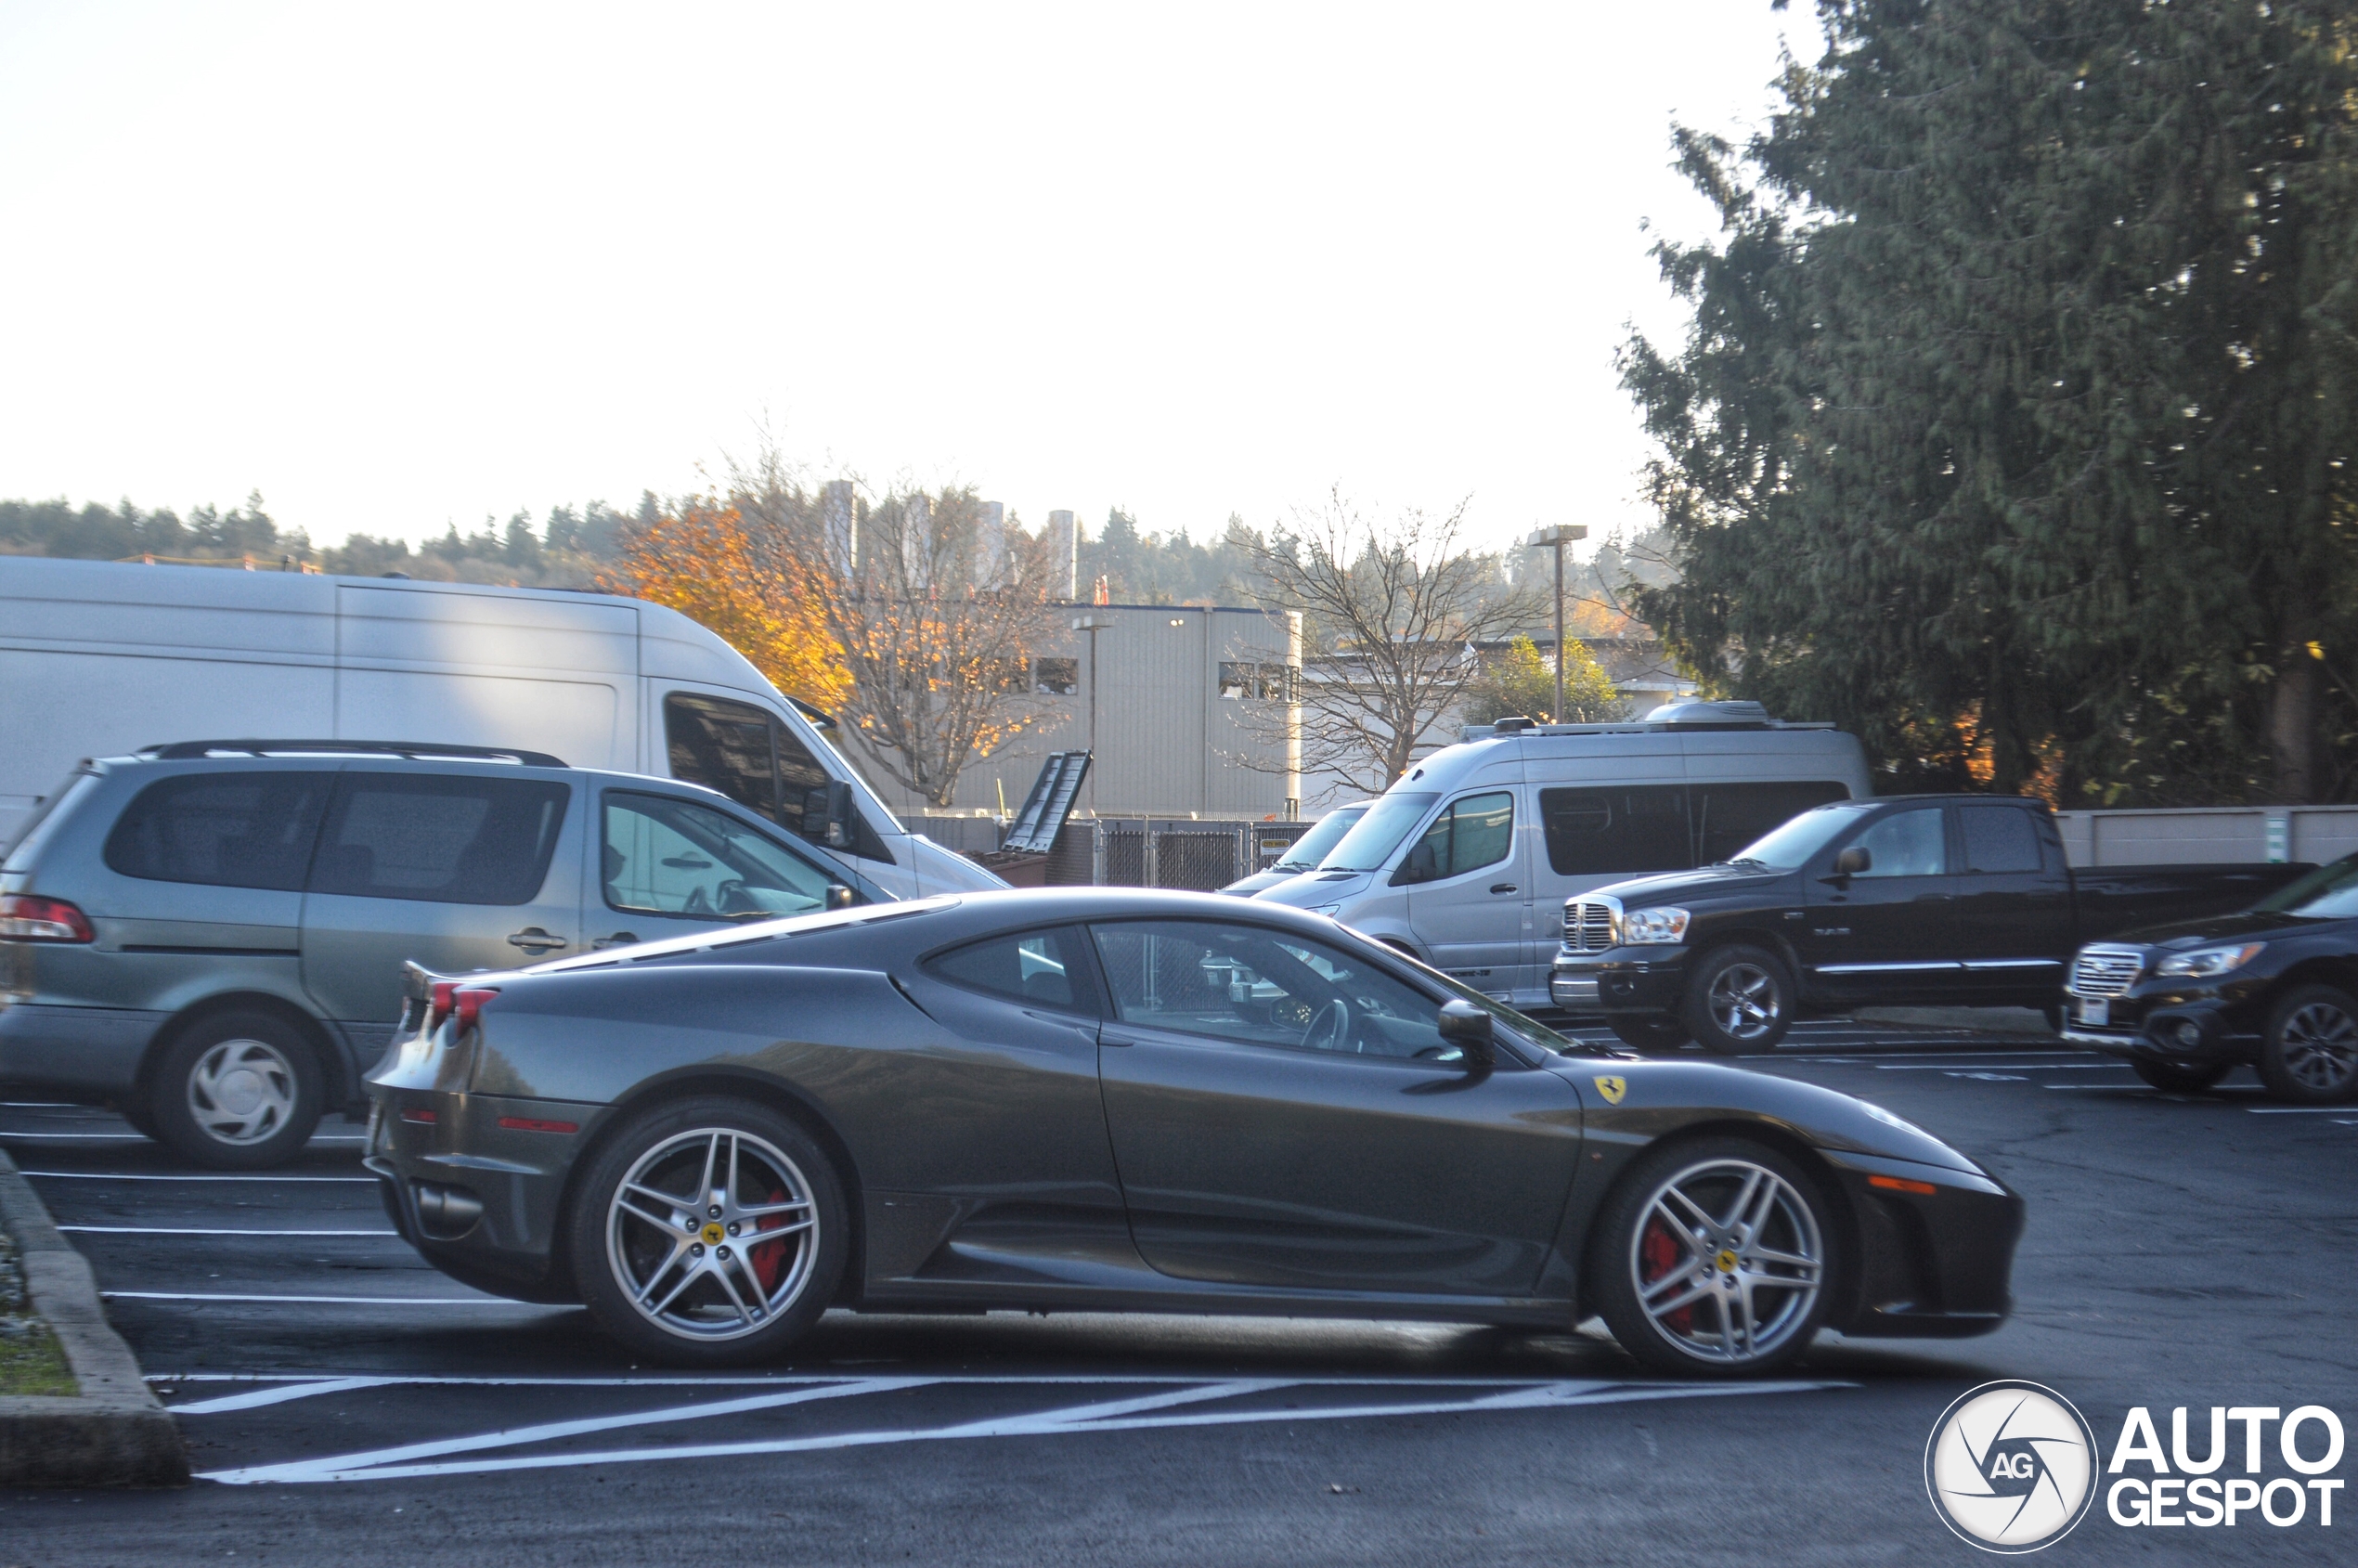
<point>2321,1048</point>
<point>1743,1001</point>
<point>241,1092</point>
<point>1728,1261</point>
<point>712,1234</point>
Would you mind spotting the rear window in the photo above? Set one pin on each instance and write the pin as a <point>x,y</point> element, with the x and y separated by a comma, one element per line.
<point>1998,838</point>
<point>440,839</point>
<point>223,830</point>
<point>20,850</point>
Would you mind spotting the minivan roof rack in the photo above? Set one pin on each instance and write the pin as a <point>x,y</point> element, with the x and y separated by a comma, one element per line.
<point>182,751</point>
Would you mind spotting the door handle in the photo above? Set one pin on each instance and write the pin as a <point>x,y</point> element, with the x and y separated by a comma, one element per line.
<point>1935,898</point>
<point>620,939</point>
<point>1111,1039</point>
<point>1502,887</point>
<point>532,939</point>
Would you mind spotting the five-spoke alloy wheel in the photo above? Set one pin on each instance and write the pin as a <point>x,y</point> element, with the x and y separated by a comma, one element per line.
<point>1713,1256</point>
<point>709,1232</point>
<point>1740,1001</point>
<point>2310,1054</point>
<point>235,1091</point>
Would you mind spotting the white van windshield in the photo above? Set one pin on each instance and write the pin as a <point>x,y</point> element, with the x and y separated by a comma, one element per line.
<point>1368,846</point>
<point>1790,846</point>
<point>1312,846</point>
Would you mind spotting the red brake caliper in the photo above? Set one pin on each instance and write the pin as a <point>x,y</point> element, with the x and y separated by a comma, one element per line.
<point>1662,1254</point>
<point>769,1257</point>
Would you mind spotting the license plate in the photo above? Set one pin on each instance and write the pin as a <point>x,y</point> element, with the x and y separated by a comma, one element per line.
<point>2096,1010</point>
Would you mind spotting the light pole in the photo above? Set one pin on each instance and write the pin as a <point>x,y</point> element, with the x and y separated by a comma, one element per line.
<point>1093,625</point>
<point>1555,539</point>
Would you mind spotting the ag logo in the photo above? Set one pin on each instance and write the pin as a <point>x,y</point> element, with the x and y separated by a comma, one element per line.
<point>2011,1467</point>
<point>1612,1089</point>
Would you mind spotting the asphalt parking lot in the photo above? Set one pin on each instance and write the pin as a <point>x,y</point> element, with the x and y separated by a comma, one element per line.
<point>342,1399</point>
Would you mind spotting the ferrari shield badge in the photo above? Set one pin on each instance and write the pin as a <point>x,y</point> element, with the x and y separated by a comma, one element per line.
<point>1613,1089</point>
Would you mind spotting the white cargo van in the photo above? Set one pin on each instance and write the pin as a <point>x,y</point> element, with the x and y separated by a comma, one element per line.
<point>100,658</point>
<point>1467,861</point>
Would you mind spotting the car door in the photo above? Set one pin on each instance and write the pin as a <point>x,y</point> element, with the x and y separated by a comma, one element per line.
<point>1891,929</point>
<point>456,871</point>
<point>1284,1114</point>
<point>668,865</point>
<point>1472,901</point>
<point>2014,906</point>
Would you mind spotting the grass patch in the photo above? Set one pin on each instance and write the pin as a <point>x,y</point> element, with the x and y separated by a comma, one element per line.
<point>29,1359</point>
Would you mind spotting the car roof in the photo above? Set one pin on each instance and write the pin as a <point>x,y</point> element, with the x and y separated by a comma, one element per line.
<point>423,758</point>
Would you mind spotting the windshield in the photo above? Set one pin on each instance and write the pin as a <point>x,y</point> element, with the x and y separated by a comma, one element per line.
<point>1790,846</point>
<point>1372,839</point>
<point>1312,846</point>
<point>2330,892</point>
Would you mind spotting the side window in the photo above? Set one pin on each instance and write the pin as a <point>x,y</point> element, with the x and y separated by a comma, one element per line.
<point>1469,833</point>
<point>1728,816</point>
<point>226,830</point>
<point>723,745</point>
<point>659,855</point>
<point>1252,986</point>
<point>1617,830</point>
<point>1998,838</point>
<point>451,838</point>
<point>1040,969</point>
<point>1906,844</point>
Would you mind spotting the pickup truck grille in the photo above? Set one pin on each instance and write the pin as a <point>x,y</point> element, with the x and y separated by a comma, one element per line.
<point>2106,971</point>
<point>1589,925</point>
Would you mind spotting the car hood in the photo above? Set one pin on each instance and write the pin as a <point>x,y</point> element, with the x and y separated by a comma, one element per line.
<point>2222,928</point>
<point>1657,1097</point>
<point>1314,888</point>
<point>1708,882</point>
<point>1247,886</point>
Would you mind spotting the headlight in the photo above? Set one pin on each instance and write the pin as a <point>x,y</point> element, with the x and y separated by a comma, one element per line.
<point>1643,925</point>
<point>2204,962</point>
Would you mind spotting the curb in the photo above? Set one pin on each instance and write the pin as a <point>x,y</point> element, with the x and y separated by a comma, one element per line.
<point>115,1433</point>
<point>2014,1023</point>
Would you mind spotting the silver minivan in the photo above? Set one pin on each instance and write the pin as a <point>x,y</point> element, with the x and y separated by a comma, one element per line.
<point>1467,861</point>
<point>209,938</point>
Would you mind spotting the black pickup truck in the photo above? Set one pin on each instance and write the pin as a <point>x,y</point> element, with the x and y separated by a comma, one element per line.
<point>1917,900</point>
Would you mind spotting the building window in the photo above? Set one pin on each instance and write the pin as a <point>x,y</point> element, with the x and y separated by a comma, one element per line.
<point>1266,682</point>
<point>1059,677</point>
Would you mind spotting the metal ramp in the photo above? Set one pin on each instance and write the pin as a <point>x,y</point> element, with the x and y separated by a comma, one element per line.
<point>1050,802</point>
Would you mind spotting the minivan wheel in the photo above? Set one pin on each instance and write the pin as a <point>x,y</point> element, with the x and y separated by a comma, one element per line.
<point>1712,1256</point>
<point>711,1232</point>
<point>236,1092</point>
<point>1740,1001</point>
<point>2310,1054</point>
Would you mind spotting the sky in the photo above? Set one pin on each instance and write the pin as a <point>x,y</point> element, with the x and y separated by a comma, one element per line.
<point>398,267</point>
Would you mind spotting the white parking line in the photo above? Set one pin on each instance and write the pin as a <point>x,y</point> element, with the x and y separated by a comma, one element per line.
<point>323,1300</point>
<point>126,1176</point>
<point>2036,1066</point>
<point>279,1396</point>
<point>39,1105</point>
<point>191,1230</point>
<point>2298,1110</point>
<point>142,1137</point>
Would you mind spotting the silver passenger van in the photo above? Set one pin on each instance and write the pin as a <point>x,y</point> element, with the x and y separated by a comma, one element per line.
<point>101,658</point>
<point>1467,861</point>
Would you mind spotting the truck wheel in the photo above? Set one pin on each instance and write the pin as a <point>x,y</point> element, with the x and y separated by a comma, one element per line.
<point>1648,1031</point>
<point>1740,1001</point>
<point>236,1092</point>
<point>2310,1054</point>
<point>2170,1078</point>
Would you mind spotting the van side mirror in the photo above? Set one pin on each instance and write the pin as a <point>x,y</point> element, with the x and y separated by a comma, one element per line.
<point>1420,865</point>
<point>829,816</point>
<point>1853,860</point>
<point>1468,1028</point>
<point>840,897</point>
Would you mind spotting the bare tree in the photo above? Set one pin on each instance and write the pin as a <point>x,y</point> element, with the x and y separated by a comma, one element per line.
<point>938,605</point>
<point>1387,613</point>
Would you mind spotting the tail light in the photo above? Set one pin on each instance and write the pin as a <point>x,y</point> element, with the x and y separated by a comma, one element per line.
<point>24,918</point>
<point>457,999</point>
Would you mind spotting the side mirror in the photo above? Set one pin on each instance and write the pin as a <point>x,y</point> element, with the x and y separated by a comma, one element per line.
<point>1468,1028</point>
<point>1420,865</point>
<point>1853,860</point>
<point>840,897</point>
<point>828,815</point>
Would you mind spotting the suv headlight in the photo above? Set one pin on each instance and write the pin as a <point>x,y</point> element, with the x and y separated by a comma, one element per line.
<point>2204,962</point>
<point>1639,926</point>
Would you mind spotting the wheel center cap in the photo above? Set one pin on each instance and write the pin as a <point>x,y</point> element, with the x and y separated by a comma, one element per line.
<point>239,1091</point>
<point>1727,1261</point>
<point>713,1235</point>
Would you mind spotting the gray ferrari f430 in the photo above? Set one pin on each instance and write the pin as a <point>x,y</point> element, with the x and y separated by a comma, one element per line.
<point>1107,1099</point>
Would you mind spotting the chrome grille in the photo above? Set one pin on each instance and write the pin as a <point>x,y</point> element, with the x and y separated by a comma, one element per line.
<point>2106,971</point>
<point>1589,925</point>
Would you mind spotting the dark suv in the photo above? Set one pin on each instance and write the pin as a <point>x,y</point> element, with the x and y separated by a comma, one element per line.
<point>2275,985</point>
<point>209,937</point>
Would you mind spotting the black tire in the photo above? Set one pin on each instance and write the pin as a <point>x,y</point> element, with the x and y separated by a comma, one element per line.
<point>237,1090</point>
<point>693,1275</point>
<point>1745,983</point>
<point>2171,1078</point>
<point>1648,1031</point>
<point>1635,1251</point>
<point>135,1110</point>
<point>2310,1054</point>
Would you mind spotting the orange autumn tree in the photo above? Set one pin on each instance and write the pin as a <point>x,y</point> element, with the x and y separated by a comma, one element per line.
<point>700,562</point>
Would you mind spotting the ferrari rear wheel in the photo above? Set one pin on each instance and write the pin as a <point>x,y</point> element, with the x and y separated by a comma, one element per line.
<point>711,1232</point>
<point>1714,1257</point>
